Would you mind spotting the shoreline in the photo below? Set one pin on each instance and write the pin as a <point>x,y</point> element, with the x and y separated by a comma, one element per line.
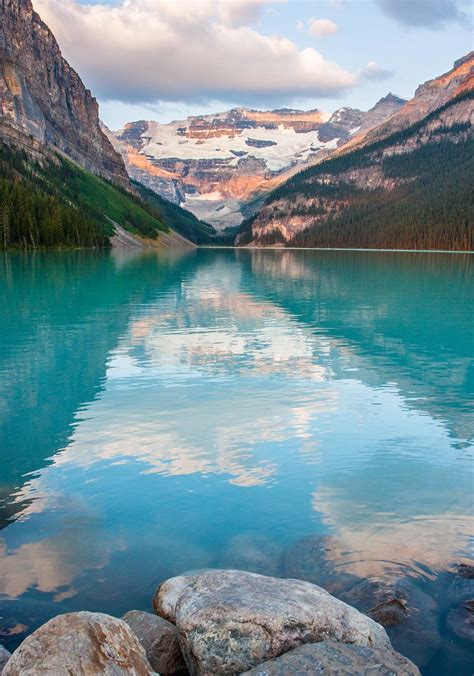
<point>342,248</point>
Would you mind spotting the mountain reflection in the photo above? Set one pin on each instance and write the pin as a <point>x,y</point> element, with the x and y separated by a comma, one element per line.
<point>152,408</point>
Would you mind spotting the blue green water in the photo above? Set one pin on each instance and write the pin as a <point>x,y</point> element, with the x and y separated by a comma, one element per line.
<point>158,412</point>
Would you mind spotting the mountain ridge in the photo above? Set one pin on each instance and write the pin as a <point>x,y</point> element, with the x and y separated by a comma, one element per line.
<point>404,184</point>
<point>215,165</point>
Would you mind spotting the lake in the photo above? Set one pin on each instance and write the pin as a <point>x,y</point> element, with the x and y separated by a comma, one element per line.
<point>161,412</point>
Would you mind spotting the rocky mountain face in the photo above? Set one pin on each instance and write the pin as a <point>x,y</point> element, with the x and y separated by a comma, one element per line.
<point>43,102</point>
<point>428,97</point>
<point>215,165</point>
<point>400,184</point>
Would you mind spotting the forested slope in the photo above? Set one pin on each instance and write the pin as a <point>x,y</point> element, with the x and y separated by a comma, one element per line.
<point>411,190</point>
<point>57,203</point>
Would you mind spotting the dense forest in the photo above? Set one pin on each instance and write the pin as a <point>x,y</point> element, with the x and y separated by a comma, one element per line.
<point>55,203</point>
<point>429,204</point>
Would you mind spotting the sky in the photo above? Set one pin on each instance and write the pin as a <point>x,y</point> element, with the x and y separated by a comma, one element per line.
<point>167,59</point>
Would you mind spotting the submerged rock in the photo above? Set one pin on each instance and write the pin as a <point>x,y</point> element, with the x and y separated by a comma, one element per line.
<point>253,553</point>
<point>337,658</point>
<point>78,644</point>
<point>318,559</point>
<point>460,620</point>
<point>160,641</point>
<point>4,657</point>
<point>409,615</point>
<point>458,585</point>
<point>230,621</point>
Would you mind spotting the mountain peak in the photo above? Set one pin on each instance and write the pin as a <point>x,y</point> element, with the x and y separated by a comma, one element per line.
<point>392,98</point>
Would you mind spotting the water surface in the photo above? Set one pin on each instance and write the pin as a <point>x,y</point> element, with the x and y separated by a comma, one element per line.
<point>161,412</point>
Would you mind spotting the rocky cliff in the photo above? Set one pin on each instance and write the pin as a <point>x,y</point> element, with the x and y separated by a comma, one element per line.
<point>43,102</point>
<point>403,184</point>
<point>215,165</point>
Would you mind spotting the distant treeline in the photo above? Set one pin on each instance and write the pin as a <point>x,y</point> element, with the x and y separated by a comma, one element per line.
<point>432,211</point>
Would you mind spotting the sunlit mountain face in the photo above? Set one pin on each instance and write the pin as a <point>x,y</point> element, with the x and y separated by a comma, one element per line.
<point>219,166</point>
<point>229,397</point>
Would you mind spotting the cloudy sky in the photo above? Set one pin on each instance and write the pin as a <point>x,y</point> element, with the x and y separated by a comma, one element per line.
<point>165,59</point>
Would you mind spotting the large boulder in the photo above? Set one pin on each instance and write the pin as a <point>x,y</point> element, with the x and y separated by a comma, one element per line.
<point>4,657</point>
<point>160,641</point>
<point>337,658</point>
<point>230,621</point>
<point>254,553</point>
<point>78,644</point>
<point>319,559</point>
<point>169,591</point>
<point>409,615</point>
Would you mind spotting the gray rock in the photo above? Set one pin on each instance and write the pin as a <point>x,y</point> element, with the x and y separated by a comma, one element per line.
<point>460,620</point>
<point>319,559</point>
<point>168,593</point>
<point>78,644</point>
<point>253,553</point>
<point>337,658</point>
<point>230,621</point>
<point>409,615</point>
<point>4,657</point>
<point>160,640</point>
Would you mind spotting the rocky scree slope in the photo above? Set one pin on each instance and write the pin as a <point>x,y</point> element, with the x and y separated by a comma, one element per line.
<point>406,184</point>
<point>219,166</point>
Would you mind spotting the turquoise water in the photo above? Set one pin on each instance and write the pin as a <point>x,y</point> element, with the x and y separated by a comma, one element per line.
<point>161,412</point>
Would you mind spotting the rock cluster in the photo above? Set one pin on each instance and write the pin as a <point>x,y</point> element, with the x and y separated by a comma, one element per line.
<point>216,622</point>
<point>231,621</point>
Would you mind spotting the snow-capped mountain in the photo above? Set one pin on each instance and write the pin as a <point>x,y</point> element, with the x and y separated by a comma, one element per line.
<point>215,165</point>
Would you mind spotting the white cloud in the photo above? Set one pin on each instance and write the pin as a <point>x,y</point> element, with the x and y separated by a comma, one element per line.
<point>163,50</point>
<point>322,27</point>
<point>373,71</point>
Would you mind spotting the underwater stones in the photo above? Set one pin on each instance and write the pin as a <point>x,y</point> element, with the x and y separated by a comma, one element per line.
<point>460,584</point>
<point>409,614</point>
<point>230,621</point>
<point>460,620</point>
<point>4,657</point>
<point>317,559</point>
<point>80,643</point>
<point>160,641</point>
<point>253,553</point>
<point>337,658</point>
